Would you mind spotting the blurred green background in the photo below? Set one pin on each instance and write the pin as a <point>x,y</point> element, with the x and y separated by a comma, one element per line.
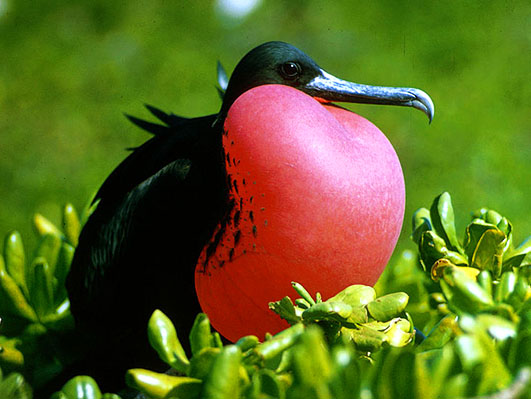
<point>69,69</point>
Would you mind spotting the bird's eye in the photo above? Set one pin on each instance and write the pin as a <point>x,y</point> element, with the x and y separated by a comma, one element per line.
<point>290,70</point>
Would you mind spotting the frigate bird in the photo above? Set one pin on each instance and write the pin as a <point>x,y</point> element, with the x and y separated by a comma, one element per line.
<point>161,215</point>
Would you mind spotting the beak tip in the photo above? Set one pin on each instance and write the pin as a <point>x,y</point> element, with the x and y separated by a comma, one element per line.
<point>424,103</point>
<point>430,111</point>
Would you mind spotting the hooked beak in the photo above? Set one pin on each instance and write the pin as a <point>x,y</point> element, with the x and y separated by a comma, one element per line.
<point>330,88</point>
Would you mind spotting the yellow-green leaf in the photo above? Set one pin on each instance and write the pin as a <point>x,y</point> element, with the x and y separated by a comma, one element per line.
<point>71,224</point>
<point>15,259</point>
<point>12,300</point>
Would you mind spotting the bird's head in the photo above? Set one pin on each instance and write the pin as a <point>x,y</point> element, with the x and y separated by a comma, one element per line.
<point>284,64</point>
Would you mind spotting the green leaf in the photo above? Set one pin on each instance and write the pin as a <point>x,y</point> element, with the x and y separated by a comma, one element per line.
<point>355,295</point>
<point>285,362</point>
<point>359,315</point>
<point>216,340</point>
<point>163,338</point>
<point>81,387</point>
<point>14,386</point>
<point>470,351</point>
<point>201,363</point>
<point>66,254</point>
<point>49,248</point>
<point>247,342</point>
<point>223,381</point>
<point>463,293</point>
<point>60,319</point>
<point>492,217</point>
<point>366,339</point>
<point>336,311</point>
<point>421,223</point>
<point>397,377</point>
<point>303,293</point>
<point>485,245</point>
<point>518,296</point>
<point>388,306</point>
<point>498,327</point>
<point>484,279</point>
<point>265,384</point>
<point>505,287</point>
<point>15,259</point>
<point>456,258</point>
<point>488,253</point>
<point>438,267</point>
<point>200,334</point>
<point>346,377</point>
<point>473,233</point>
<point>301,303</point>
<point>312,366</point>
<point>274,346</point>
<point>479,213</point>
<point>44,226</point>
<point>431,248</point>
<point>10,356</point>
<point>285,309</point>
<point>520,256</point>
<point>440,364</point>
<point>186,388</point>
<point>12,300</point>
<point>442,218</point>
<point>444,331</point>
<point>41,289</point>
<point>58,395</point>
<point>507,228</point>
<point>71,224</point>
<point>520,350</point>
<point>158,385</point>
<point>481,358</point>
<point>399,333</point>
<point>456,386</point>
<point>88,209</point>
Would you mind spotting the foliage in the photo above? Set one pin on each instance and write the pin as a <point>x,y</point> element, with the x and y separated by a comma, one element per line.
<point>476,294</point>
<point>354,314</point>
<point>82,387</point>
<point>470,301</point>
<point>33,299</point>
<point>14,386</point>
<point>294,363</point>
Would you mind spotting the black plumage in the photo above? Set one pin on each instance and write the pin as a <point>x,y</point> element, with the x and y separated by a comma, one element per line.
<point>138,249</point>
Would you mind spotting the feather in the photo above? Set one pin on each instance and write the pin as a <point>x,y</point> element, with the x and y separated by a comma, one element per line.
<point>150,127</point>
<point>168,119</point>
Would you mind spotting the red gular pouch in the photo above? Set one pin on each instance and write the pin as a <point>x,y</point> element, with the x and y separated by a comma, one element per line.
<point>318,198</point>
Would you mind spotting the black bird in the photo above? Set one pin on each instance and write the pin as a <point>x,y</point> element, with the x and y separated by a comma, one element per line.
<point>160,207</point>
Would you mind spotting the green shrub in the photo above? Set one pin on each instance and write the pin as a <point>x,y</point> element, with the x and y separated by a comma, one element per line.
<point>454,320</point>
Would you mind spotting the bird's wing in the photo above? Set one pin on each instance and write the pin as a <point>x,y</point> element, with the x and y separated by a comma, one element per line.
<point>177,139</point>
<point>156,211</point>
